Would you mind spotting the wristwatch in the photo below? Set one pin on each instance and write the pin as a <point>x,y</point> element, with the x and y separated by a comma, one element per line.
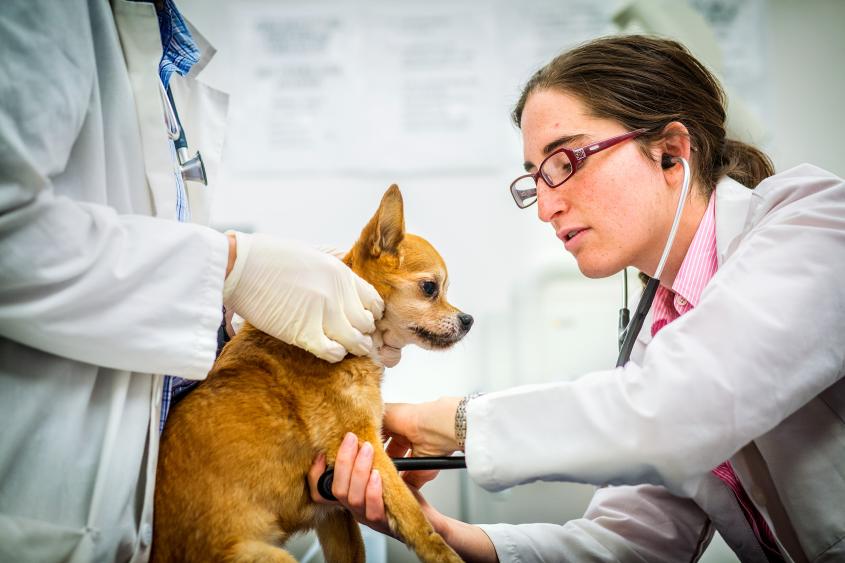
<point>461,420</point>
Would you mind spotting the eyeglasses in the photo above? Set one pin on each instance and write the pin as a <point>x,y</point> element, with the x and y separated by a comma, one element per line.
<point>559,167</point>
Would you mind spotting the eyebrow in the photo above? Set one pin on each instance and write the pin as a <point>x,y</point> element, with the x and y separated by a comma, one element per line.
<point>559,142</point>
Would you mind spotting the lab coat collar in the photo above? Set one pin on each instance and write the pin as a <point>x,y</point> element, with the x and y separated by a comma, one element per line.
<point>733,201</point>
<point>137,25</point>
<point>732,204</point>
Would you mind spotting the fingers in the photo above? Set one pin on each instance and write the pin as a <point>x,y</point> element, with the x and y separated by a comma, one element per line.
<point>317,469</point>
<point>361,319</point>
<point>354,305</point>
<point>356,484</point>
<point>324,348</point>
<point>339,330</point>
<point>343,466</point>
<point>360,477</point>
<point>374,511</point>
<point>369,297</point>
<point>347,322</point>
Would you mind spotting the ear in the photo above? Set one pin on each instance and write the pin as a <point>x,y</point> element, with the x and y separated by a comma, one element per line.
<point>675,142</point>
<point>386,229</point>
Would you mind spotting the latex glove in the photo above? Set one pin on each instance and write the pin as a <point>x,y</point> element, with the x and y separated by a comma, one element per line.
<point>302,296</point>
<point>389,355</point>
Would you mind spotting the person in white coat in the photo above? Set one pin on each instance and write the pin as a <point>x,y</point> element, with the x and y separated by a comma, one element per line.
<point>730,415</point>
<point>102,291</point>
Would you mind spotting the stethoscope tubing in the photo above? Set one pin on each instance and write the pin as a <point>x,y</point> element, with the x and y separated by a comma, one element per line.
<point>632,328</point>
<point>192,169</point>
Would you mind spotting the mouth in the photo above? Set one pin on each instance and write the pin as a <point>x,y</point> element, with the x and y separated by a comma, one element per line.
<point>436,340</point>
<point>571,237</point>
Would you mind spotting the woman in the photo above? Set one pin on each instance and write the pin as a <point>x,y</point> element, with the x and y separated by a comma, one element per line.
<point>731,413</point>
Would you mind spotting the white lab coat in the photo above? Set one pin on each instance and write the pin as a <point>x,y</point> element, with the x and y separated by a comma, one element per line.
<point>753,373</point>
<point>98,291</point>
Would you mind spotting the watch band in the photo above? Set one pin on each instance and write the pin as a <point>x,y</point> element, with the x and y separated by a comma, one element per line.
<point>461,420</point>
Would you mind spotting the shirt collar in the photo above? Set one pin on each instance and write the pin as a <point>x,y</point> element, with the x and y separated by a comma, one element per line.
<point>700,263</point>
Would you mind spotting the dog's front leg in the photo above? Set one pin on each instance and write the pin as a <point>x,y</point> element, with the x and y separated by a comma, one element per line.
<point>406,518</point>
<point>340,537</point>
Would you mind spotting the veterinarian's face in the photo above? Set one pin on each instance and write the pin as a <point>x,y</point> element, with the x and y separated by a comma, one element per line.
<point>615,201</point>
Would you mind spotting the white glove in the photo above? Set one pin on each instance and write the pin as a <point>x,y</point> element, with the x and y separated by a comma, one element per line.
<point>388,355</point>
<point>302,296</point>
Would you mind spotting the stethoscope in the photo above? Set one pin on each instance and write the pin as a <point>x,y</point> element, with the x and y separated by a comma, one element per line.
<point>628,332</point>
<point>192,169</point>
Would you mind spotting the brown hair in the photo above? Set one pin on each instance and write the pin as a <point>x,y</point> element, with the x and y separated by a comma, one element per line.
<point>648,82</point>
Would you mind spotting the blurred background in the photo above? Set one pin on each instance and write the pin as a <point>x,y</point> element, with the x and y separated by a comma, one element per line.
<point>334,100</point>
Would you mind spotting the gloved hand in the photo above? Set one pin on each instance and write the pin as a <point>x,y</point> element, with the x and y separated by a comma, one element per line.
<point>302,296</point>
<point>389,355</point>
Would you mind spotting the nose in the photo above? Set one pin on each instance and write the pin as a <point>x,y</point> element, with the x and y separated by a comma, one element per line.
<point>466,320</point>
<point>549,201</point>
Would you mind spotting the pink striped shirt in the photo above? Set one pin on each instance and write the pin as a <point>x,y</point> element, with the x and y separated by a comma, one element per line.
<point>699,266</point>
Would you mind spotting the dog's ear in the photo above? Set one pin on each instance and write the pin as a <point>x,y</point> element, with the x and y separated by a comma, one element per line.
<point>386,229</point>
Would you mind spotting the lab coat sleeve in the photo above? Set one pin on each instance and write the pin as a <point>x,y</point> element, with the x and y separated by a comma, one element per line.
<point>643,523</point>
<point>765,338</point>
<point>77,279</point>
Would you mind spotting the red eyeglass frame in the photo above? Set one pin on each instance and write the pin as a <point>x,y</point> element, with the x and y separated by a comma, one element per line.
<point>576,158</point>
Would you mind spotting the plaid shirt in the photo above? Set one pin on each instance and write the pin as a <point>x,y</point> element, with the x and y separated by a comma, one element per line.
<point>179,52</point>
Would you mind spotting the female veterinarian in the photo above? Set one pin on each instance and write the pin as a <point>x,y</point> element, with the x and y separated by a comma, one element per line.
<point>730,414</point>
<point>101,288</point>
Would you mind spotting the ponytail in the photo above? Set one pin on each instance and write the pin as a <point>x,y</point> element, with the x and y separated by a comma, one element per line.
<point>746,164</point>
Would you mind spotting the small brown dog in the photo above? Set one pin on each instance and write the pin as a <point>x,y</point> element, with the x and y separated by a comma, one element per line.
<point>231,481</point>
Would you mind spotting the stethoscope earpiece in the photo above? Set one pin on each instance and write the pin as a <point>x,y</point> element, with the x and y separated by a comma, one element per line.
<point>667,161</point>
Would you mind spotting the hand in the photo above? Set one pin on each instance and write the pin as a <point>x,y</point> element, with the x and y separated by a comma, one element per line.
<point>389,355</point>
<point>302,296</point>
<point>428,429</point>
<point>358,486</point>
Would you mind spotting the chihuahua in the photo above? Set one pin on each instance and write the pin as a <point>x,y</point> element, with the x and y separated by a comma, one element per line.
<point>231,480</point>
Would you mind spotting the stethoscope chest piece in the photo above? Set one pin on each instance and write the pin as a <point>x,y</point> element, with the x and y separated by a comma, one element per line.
<point>192,168</point>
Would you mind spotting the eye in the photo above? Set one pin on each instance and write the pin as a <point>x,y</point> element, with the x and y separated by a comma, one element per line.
<point>429,288</point>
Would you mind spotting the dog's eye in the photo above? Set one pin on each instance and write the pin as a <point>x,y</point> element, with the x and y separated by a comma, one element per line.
<point>429,288</point>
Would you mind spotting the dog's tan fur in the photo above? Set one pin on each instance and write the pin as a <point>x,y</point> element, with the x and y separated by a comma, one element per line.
<point>231,482</point>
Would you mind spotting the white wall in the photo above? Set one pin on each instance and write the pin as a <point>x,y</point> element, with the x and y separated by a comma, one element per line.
<point>499,259</point>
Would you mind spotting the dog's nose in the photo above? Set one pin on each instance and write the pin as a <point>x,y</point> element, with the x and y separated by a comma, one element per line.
<point>466,320</point>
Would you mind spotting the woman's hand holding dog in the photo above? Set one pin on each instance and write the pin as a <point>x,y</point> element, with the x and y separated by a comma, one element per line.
<point>358,486</point>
